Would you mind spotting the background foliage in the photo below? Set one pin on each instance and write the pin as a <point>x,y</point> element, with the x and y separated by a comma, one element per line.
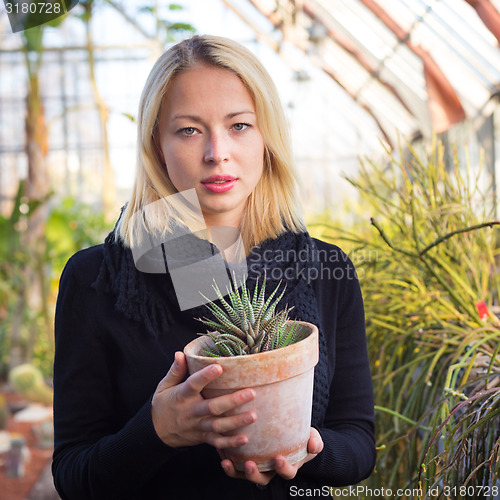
<point>426,264</point>
<point>26,325</point>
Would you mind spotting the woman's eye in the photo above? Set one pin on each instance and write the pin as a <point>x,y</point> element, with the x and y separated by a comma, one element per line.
<point>240,126</point>
<point>188,130</point>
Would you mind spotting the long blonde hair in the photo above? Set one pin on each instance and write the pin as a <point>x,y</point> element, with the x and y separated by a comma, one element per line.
<point>273,206</point>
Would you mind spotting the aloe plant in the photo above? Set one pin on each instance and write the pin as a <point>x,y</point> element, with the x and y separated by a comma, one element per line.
<point>248,325</point>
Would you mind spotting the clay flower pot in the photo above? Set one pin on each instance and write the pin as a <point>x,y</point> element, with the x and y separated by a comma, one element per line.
<point>283,382</point>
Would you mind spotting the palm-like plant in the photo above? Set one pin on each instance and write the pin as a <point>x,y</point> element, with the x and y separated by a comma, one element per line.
<point>248,325</point>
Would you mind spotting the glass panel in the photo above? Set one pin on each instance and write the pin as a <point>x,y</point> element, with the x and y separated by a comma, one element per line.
<point>388,108</point>
<point>362,24</point>
<point>396,64</point>
<point>466,35</point>
<point>346,68</point>
<point>401,12</point>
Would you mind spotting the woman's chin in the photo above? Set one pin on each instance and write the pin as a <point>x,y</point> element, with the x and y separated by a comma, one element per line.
<point>222,214</point>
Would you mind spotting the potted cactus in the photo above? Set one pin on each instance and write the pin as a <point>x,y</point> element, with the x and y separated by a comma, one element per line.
<point>260,348</point>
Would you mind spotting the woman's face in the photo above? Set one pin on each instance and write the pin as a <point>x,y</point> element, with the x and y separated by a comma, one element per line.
<point>210,141</point>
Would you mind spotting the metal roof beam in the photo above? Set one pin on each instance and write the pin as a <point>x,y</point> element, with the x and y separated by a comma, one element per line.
<point>257,31</point>
<point>277,22</point>
<point>488,14</point>
<point>349,47</point>
<point>444,105</point>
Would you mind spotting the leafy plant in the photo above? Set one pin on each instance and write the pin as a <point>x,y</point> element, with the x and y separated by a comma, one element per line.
<point>71,226</point>
<point>18,321</point>
<point>26,333</point>
<point>27,380</point>
<point>248,325</point>
<point>429,264</point>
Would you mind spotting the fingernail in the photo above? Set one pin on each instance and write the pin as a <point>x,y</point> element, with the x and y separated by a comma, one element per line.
<point>214,369</point>
<point>248,419</point>
<point>279,462</point>
<point>241,441</point>
<point>247,395</point>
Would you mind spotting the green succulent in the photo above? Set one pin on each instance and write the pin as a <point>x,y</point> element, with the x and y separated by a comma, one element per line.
<point>248,325</point>
<point>28,381</point>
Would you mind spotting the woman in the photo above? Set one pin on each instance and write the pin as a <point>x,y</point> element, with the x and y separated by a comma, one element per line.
<point>210,121</point>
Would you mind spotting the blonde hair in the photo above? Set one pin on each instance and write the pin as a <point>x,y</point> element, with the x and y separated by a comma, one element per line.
<point>273,207</point>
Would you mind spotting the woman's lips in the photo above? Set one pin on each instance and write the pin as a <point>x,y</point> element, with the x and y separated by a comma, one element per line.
<point>219,183</point>
<point>220,187</point>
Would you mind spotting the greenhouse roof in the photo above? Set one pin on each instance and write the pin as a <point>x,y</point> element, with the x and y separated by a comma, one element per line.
<point>353,75</point>
<point>415,66</point>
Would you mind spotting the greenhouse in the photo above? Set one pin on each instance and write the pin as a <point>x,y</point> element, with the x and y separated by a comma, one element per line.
<point>393,110</point>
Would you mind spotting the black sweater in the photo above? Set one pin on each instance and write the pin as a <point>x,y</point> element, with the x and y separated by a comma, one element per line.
<point>106,371</point>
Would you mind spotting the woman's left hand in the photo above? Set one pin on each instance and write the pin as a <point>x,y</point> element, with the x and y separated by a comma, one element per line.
<point>282,467</point>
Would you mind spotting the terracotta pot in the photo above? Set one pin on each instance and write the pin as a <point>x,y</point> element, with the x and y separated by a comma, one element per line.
<point>283,382</point>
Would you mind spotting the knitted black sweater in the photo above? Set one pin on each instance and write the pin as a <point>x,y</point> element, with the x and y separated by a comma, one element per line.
<point>107,368</point>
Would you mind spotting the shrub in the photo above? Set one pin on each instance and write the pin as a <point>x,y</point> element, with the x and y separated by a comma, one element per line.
<point>430,287</point>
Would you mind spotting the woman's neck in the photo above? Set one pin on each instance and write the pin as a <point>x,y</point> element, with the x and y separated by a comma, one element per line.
<point>229,241</point>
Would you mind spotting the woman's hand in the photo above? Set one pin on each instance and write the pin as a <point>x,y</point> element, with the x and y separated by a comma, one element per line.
<point>283,468</point>
<point>182,417</point>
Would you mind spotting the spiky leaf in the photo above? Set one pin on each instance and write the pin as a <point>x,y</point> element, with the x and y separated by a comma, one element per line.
<point>247,324</point>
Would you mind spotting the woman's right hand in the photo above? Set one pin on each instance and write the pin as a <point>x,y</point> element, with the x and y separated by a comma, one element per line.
<point>182,417</point>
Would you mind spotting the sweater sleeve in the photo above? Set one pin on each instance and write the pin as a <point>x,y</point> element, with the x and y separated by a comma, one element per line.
<point>348,432</point>
<point>95,455</point>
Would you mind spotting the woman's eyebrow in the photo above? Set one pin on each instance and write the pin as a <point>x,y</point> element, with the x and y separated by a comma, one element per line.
<point>186,117</point>
<point>246,112</point>
<point>199,119</point>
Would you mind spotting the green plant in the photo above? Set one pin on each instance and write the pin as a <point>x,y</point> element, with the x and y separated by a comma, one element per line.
<point>248,325</point>
<point>432,257</point>
<point>28,381</point>
<point>26,330</point>
<point>71,226</point>
<point>18,263</point>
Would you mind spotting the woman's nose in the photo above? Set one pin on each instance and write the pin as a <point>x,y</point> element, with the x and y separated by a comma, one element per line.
<point>216,149</point>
